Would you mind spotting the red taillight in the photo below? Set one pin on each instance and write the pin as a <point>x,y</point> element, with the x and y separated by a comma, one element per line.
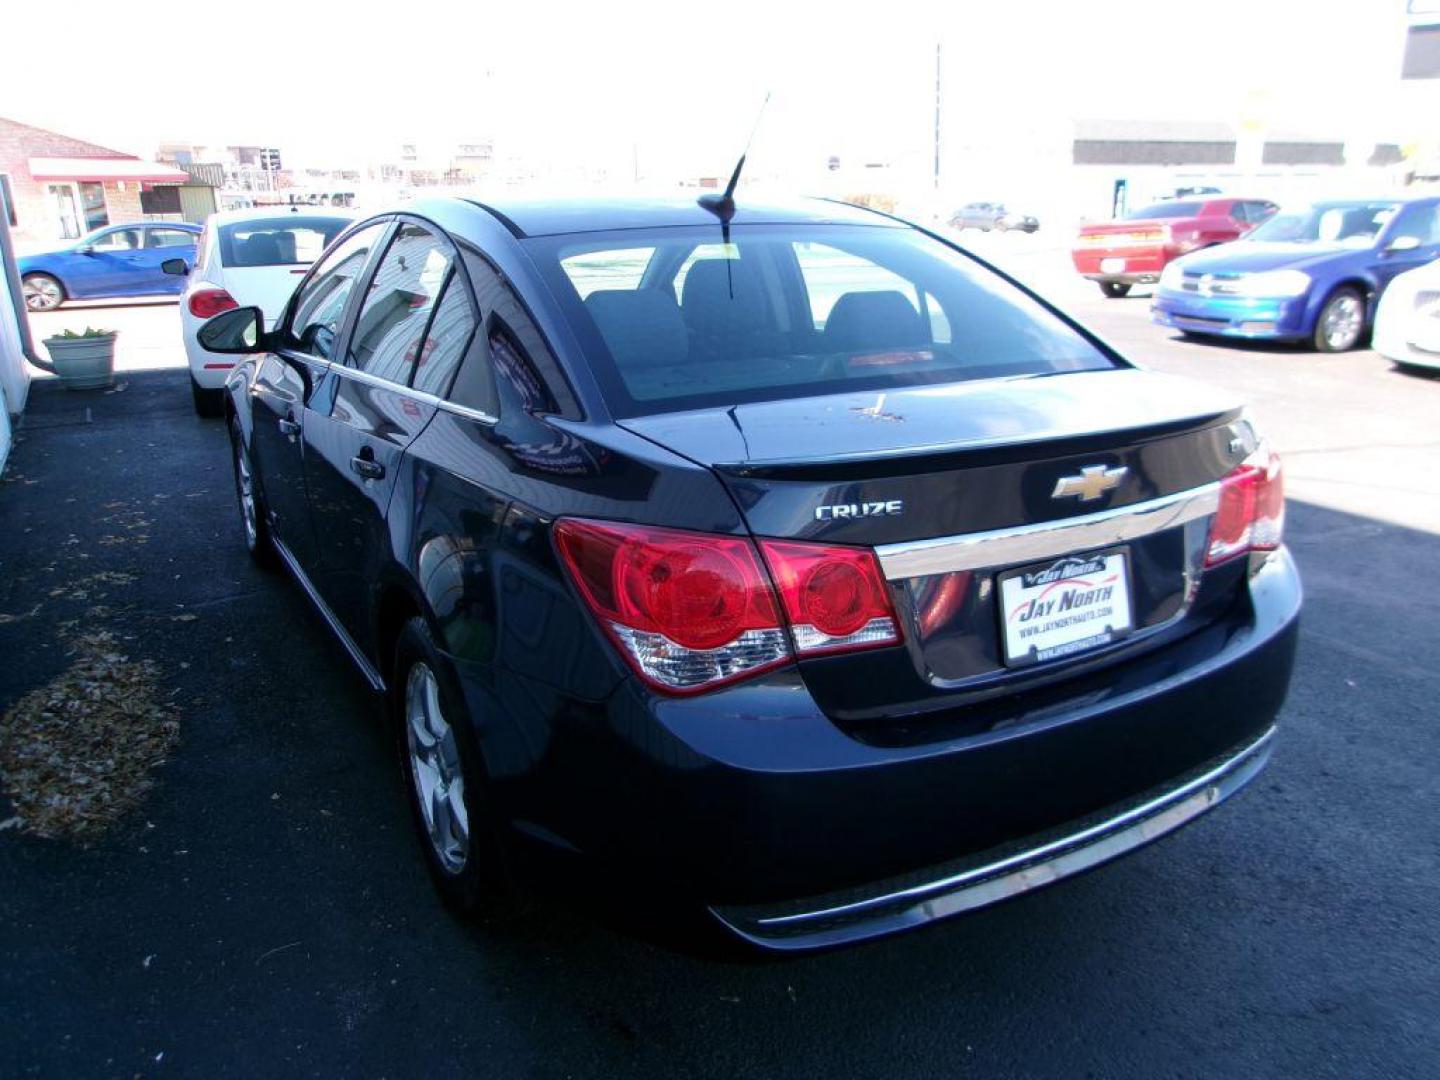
<point>1251,516</point>
<point>834,597</point>
<point>691,611</point>
<point>207,303</point>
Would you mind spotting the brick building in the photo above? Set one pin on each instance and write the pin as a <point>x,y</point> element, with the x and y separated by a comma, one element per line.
<point>59,188</point>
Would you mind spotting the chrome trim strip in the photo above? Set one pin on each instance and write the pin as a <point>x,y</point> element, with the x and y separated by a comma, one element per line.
<point>1050,539</point>
<point>345,371</point>
<point>1021,872</point>
<point>366,668</point>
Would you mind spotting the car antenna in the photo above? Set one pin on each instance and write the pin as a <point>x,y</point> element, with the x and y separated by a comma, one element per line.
<point>723,205</point>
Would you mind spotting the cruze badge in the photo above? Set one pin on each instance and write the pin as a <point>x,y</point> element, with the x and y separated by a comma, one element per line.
<point>840,511</point>
<point>1092,482</point>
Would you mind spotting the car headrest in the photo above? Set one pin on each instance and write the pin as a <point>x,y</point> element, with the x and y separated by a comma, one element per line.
<point>866,321</point>
<point>641,327</point>
<point>724,297</point>
<point>259,249</point>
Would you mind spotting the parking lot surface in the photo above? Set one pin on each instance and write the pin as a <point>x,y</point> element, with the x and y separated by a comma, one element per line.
<point>265,911</point>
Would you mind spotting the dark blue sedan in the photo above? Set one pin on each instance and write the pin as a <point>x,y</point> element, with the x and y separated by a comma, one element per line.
<point>1314,274</point>
<point>778,565</point>
<point>116,261</point>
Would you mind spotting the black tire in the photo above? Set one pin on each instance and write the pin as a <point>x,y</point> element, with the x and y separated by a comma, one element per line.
<point>1341,322</point>
<point>481,883</point>
<point>209,404</point>
<point>1114,289</point>
<point>255,531</point>
<point>42,292</point>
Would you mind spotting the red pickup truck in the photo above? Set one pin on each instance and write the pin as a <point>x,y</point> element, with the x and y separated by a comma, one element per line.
<point>1134,249</point>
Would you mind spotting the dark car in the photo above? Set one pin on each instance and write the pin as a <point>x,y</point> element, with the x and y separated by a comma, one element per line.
<point>988,215</point>
<point>117,261</point>
<point>794,567</point>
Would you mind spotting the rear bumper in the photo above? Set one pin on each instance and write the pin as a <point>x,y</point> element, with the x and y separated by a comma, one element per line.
<point>888,907</point>
<point>1233,316</point>
<point>1123,265</point>
<point>750,799</point>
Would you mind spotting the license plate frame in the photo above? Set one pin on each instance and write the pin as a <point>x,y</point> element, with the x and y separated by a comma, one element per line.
<point>1112,266</point>
<point>1107,620</point>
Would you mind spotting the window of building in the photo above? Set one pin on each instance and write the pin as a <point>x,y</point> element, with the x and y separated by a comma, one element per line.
<point>7,195</point>
<point>92,201</point>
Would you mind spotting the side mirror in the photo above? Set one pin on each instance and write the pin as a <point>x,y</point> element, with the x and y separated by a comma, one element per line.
<point>85,249</point>
<point>237,332</point>
<point>1403,243</point>
<point>175,267</point>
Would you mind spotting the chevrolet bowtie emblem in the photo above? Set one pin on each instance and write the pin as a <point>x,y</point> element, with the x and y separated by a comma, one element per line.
<point>1093,481</point>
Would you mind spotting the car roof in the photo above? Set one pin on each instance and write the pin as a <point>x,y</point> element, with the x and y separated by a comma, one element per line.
<point>554,217</point>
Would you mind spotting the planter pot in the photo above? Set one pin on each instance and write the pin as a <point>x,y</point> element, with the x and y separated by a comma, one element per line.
<point>83,363</point>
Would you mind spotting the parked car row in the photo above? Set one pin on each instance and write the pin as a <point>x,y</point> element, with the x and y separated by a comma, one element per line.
<point>607,502</point>
<point>1316,274</point>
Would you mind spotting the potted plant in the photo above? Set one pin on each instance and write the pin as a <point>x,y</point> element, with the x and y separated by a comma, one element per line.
<point>83,361</point>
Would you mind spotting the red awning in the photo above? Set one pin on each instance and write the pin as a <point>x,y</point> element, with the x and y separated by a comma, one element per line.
<point>103,169</point>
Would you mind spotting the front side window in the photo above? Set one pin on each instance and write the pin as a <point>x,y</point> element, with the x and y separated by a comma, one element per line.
<point>790,311</point>
<point>1353,224</point>
<point>321,303</point>
<point>1420,222</point>
<point>398,304</point>
<point>167,238</point>
<point>280,241</point>
<point>118,240</point>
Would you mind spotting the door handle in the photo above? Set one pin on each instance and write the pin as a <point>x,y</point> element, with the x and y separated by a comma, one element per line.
<point>369,468</point>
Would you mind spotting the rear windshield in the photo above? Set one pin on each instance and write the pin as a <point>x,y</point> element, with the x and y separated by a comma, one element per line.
<point>288,240</point>
<point>678,318</point>
<point>1166,209</point>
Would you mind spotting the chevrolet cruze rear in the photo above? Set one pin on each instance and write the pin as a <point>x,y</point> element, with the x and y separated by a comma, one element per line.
<point>788,563</point>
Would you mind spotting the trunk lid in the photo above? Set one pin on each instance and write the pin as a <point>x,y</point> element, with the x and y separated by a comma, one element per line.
<point>265,287</point>
<point>955,487</point>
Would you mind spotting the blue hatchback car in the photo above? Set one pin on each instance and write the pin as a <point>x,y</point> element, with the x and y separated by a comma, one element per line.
<point>116,261</point>
<point>1311,274</point>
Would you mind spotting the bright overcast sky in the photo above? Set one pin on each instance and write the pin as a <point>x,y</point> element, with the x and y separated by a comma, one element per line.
<point>572,82</point>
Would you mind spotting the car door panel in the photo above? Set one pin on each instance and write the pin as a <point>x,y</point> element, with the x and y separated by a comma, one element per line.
<point>283,388</point>
<point>353,458</point>
<point>357,445</point>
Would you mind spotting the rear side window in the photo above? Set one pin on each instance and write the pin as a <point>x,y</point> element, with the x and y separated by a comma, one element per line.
<point>791,311</point>
<point>165,238</point>
<point>445,340</point>
<point>1165,210</point>
<point>321,303</point>
<point>290,240</point>
<point>389,330</point>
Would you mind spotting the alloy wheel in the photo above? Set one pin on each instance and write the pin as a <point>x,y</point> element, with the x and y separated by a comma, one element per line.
<point>1343,321</point>
<point>245,489</point>
<point>41,293</point>
<point>435,768</point>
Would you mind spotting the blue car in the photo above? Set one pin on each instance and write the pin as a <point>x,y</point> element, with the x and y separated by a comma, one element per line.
<point>116,261</point>
<point>1313,274</point>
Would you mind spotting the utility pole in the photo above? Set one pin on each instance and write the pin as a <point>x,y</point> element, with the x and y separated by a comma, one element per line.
<point>937,116</point>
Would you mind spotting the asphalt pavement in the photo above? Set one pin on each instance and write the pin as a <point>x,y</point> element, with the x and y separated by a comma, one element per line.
<point>265,912</point>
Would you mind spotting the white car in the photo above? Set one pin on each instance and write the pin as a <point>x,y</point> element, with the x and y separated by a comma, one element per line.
<point>246,258</point>
<point>1407,324</point>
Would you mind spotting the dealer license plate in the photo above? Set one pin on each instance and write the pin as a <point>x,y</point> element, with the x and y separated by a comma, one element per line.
<point>1058,609</point>
<point>1112,266</point>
